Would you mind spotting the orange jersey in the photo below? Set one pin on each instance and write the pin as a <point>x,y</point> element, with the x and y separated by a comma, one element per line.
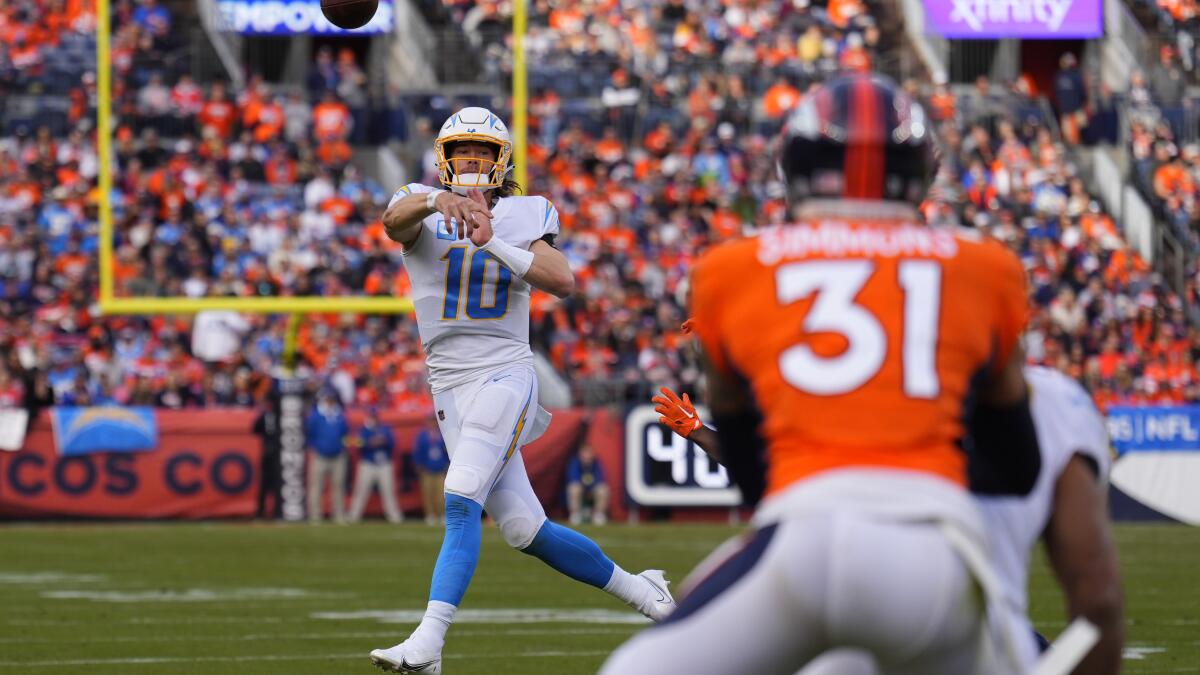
<point>860,340</point>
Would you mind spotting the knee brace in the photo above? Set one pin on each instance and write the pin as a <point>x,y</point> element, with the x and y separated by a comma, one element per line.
<point>519,532</point>
<point>519,523</point>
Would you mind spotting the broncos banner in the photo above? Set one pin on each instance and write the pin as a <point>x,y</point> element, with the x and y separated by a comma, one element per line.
<point>1158,465</point>
<point>207,464</point>
<point>79,431</point>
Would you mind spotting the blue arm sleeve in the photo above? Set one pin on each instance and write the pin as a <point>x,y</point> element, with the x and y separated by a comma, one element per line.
<point>574,471</point>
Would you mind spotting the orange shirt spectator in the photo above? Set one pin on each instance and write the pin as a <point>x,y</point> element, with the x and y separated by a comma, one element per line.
<point>842,11</point>
<point>726,224</point>
<point>339,208</point>
<point>779,99</point>
<point>331,120</point>
<point>269,122</point>
<point>1173,179</point>
<point>856,60</point>
<point>373,236</point>
<point>280,170</point>
<point>71,264</point>
<point>334,153</point>
<point>567,20</point>
<point>26,191</point>
<point>218,114</point>
<point>943,103</point>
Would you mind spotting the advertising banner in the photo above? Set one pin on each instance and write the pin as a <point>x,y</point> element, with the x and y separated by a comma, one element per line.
<point>1158,464</point>
<point>1028,19</point>
<point>204,466</point>
<point>294,17</point>
<point>207,464</point>
<point>79,431</point>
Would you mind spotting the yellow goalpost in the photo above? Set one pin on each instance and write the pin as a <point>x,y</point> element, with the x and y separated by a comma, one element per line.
<point>110,303</point>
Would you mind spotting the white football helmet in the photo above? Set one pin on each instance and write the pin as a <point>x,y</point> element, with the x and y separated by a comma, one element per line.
<point>478,125</point>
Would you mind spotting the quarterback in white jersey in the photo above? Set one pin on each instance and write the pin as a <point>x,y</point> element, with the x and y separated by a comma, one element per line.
<point>1065,508</point>
<point>472,254</point>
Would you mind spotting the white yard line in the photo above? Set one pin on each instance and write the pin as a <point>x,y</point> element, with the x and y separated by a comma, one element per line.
<point>492,616</point>
<point>158,660</point>
<point>190,620</point>
<point>190,595</point>
<point>383,635</point>
<point>1139,653</point>
<point>39,578</point>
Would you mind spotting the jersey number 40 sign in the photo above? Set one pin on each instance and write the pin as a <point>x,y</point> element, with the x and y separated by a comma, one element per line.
<point>664,469</point>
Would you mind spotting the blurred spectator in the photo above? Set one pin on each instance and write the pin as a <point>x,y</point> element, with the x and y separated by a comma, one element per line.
<point>270,476</point>
<point>215,197</point>
<point>1167,83</point>
<point>431,460</point>
<point>587,490</point>
<point>323,76</point>
<point>325,435</point>
<point>1070,96</point>
<point>375,443</point>
<point>217,335</point>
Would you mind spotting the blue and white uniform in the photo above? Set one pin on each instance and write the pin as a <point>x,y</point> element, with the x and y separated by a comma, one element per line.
<point>473,317</point>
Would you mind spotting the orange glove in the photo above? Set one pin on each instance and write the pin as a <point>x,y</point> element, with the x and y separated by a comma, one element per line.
<point>687,327</point>
<point>677,413</point>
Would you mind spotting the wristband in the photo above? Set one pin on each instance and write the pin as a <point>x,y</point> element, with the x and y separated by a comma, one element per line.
<point>516,259</point>
<point>431,198</point>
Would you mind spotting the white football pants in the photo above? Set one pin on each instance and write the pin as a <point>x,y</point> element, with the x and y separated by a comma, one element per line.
<point>485,423</point>
<point>788,592</point>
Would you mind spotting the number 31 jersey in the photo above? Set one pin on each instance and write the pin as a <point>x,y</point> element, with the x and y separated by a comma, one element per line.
<point>860,339</point>
<point>472,312</point>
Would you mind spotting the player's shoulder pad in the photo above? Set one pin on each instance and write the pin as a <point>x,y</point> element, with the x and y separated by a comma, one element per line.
<point>539,210</point>
<point>410,189</point>
<point>1082,427</point>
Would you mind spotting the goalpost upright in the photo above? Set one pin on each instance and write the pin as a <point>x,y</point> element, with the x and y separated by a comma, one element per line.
<point>110,303</point>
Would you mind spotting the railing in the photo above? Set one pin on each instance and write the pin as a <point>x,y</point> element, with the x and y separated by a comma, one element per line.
<point>1175,258</point>
<point>224,43</point>
<point>1123,26</point>
<point>934,50</point>
<point>1140,224</point>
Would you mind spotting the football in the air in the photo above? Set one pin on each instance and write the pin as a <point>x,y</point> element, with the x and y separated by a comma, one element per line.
<point>349,14</point>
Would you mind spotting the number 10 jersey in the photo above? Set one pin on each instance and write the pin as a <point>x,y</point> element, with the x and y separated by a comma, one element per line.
<point>472,312</point>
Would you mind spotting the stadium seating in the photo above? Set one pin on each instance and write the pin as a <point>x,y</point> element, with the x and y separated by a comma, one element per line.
<point>254,195</point>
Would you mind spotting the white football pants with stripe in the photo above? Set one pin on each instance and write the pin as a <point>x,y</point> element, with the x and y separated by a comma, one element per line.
<point>484,424</point>
<point>790,591</point>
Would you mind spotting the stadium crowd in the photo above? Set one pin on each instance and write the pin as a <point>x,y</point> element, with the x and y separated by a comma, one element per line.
<point>222,193</point>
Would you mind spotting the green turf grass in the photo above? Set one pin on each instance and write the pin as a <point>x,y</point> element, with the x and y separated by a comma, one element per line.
<point>241,598</point>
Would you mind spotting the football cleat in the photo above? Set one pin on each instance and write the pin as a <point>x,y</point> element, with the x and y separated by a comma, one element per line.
<point>657,602</point>
<point>405,658</point>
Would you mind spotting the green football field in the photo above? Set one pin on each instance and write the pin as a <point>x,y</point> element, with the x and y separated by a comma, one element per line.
<point>298,599</point>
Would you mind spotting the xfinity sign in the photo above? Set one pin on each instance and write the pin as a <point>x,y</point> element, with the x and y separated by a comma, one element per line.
<point>291,17</point>
<point>1045,19</point>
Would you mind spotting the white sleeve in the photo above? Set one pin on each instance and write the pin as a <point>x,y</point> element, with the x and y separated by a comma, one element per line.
<point>411,188</point>
<point>549,221</point>
<point>1076,426</point>
<point>1092,440</point>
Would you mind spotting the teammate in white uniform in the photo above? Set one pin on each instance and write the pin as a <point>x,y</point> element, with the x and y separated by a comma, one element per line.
<point>1065,508</point>
<point>472,255</point>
